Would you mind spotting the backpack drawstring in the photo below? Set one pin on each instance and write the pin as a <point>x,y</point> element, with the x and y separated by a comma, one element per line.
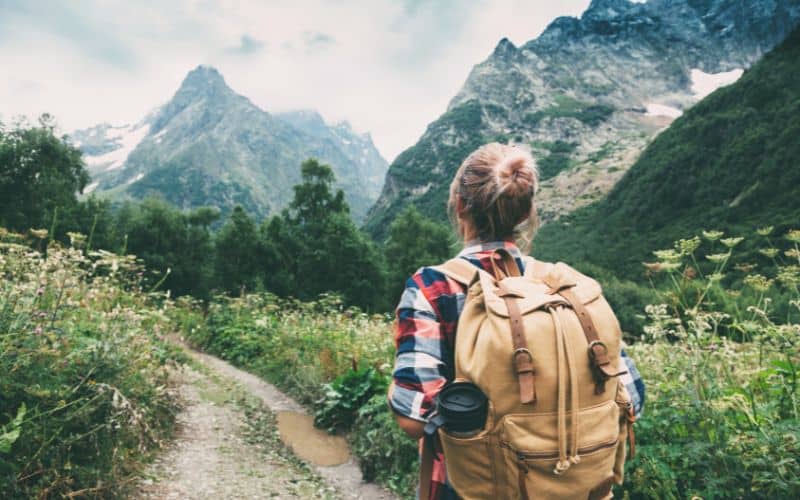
<point>565,357</point>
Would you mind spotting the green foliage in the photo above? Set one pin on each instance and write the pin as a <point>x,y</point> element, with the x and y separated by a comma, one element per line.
<point>557,160</point>
<point>723,417</point>
<point>385,453</point>
<point>346,395</point>
<point>569,107</point>
<point>299,346</point>
<point>175,246</point>
<point>730,162</point>
<point>85,389</point>
<point>414,241</point>
<point>40,174</point>
<point>238,252</point>
<point>318,248</point>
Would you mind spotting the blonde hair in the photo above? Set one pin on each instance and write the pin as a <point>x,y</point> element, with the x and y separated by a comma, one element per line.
<point>496,185</point>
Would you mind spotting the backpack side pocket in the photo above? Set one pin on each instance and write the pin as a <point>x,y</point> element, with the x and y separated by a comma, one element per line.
<point>626,420</point>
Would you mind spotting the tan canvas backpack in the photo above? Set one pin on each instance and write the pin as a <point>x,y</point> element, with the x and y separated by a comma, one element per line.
<point>544,348</point>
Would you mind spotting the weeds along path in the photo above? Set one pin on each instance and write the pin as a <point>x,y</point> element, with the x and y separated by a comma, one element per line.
<point>240,437</point>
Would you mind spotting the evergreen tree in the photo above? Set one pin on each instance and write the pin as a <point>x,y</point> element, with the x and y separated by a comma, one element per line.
<point>414,241</point>
<point>237,253</point>
<point>171,243</point>
<point>316,247</point>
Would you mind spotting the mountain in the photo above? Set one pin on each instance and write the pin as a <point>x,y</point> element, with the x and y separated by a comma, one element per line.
<point>730,163</point>
<point>211,146</point>
<point>586,96</point>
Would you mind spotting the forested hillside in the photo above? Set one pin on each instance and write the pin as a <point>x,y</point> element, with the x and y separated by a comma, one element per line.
<point>731,163</point>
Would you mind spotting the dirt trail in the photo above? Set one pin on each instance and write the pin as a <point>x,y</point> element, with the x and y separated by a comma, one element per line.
<point>240,437</point>
<point>346,476</point>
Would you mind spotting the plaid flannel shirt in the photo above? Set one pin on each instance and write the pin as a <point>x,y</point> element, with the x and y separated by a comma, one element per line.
<point>425,331</point>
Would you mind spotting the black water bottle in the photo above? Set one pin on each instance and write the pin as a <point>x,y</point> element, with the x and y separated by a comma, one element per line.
<point>463,408</point>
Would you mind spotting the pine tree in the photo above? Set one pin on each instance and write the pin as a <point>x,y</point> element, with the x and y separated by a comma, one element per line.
<point>414,241</point>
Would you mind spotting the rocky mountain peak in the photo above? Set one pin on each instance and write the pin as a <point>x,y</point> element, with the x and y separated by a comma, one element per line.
<point>203,81</point>
<point>505,48</point>
<point>607,9</point>
<point>587,95</point>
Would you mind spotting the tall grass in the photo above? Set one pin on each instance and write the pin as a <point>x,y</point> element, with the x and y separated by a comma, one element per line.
<point>84,388</point>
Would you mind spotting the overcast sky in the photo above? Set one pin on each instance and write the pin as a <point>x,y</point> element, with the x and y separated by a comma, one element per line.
<point>387,66</point>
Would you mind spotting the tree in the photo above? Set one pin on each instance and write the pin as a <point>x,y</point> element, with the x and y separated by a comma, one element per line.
<point>315,247</point>
<point>172,243</point>
<point>414,241</point>
<point>237,253</point>
<point>40,173</point>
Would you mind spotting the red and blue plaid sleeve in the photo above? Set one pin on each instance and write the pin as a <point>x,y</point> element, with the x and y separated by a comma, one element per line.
<point>423,363</point>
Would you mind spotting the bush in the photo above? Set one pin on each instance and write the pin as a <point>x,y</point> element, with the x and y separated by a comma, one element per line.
<point>386,454</point>
<point>346,395</point>
<point>85,389</point>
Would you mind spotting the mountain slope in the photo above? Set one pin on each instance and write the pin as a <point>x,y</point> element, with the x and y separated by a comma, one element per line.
<point>211,146</point>
<point>732,163</point>
<point>586,96</point>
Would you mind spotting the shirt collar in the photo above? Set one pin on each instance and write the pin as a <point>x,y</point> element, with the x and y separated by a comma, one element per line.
<point>477,246</point>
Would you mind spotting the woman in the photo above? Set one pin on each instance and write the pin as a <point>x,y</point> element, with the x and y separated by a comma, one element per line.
<point>492,206</point>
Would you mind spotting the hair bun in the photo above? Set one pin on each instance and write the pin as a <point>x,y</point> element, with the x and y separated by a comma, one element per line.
<point>516,174</point>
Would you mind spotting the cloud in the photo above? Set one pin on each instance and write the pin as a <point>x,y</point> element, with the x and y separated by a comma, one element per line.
<point>317,41</point>
<point>82,29</point>
<point>389,67</point>
<point>247,46</point>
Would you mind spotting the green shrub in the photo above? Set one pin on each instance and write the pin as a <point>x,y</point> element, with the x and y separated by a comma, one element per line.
<point>343,398</point>
<point>385,453</point>
<point>85,388</point>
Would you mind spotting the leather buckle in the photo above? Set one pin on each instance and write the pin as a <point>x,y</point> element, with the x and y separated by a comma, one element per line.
<point>521,350</point>
<point>593,354</point>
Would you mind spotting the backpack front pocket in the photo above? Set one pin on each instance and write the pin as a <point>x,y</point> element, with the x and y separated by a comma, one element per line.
<point>531,449</point>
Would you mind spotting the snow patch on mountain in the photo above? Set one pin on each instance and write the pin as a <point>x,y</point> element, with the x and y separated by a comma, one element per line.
<point>654,109</point>
<point>138,177</point>
<point>126,138</point>
<point>705,83</point>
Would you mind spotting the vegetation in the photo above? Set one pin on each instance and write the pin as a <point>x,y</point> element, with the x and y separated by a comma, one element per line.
<point>557,160</point>
<point>40,174</point>
<point>431,243</point>
<point>84,391</point>
<point>720,363</point>
<point>714,327</point>
<point>719,358</point>
<point>569,107</point>
<point>730,162</point>
<point>723,417</point>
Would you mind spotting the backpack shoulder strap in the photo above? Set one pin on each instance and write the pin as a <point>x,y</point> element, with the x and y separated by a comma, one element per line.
<point>458,269</point>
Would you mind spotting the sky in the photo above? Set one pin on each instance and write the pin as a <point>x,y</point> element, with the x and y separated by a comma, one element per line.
<point>389,67</point>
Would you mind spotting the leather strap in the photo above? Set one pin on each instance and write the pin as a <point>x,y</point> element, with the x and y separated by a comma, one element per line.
<point>510,267</point>
<point>631,419</point>
<point>522,357</point>
<point>602,368</point>
<point>602,490</point>
<point>426,466</point>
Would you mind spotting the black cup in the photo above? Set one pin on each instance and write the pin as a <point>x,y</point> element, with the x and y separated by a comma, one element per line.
<point>464,408</point>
